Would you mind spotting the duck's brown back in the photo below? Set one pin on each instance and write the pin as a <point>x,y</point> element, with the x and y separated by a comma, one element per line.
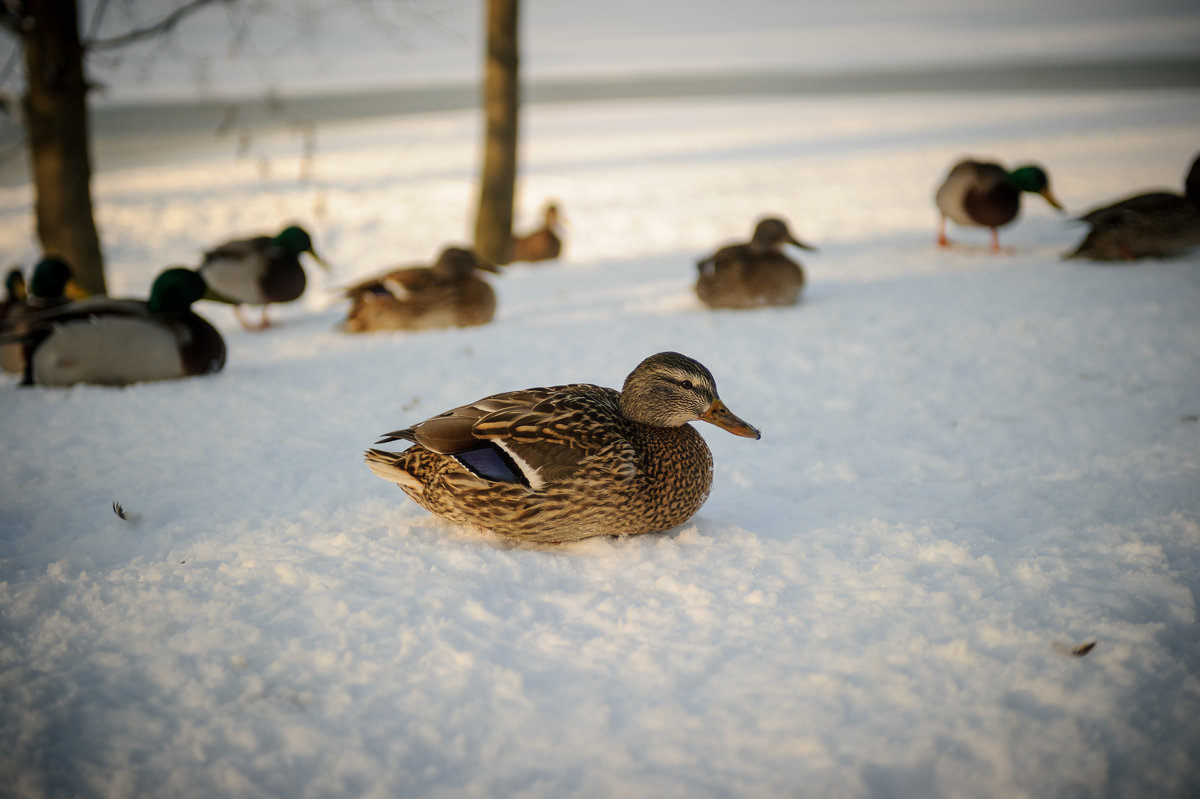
<point>541,245</point>
<point>600,495</point>
<point>740,277</point>
<point>424,304</point>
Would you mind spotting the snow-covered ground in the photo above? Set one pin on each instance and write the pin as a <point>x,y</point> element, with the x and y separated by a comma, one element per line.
<point>970,464</point>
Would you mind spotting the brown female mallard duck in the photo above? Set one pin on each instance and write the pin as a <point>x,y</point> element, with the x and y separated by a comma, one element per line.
<point>116,342</point>
<point>1158,224</point>
<point>448,294</point>
<point>568,462</point>
<point>983,194</point>
<point>755,273</point>
<point>258,271</point>
<point>543,244</point>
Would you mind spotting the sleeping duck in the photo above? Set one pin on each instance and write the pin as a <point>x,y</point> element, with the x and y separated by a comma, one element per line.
<point>543,244</point>
<point>567,462</point>
<point>116,342</point>
<point>753,274</point>
<point>448,294</point>
<point>1157,224</point>
<point>258,271</point>
<point>984,194</point>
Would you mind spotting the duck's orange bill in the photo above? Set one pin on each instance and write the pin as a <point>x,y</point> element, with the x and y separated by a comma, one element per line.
<point>75,291</point>
<point>721,416</point>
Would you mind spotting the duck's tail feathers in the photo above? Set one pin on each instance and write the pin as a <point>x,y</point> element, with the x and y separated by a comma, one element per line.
<point>406,434</point>
<point>387,465</point>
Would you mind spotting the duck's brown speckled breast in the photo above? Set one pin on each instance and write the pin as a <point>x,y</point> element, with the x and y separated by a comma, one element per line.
<point>674,477</point>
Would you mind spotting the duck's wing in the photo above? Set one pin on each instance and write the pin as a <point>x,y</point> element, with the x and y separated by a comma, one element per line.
<point>1148,204</point>
<point>89,307</point>
<point>532,436</point>
<point>967,172</point>
<point>730,256</point>
<point>235,270</point>
<point>240,249</point>
<point>398,282</point>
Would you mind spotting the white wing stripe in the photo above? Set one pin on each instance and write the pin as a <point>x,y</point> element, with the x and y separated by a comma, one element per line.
<point>531,474</point>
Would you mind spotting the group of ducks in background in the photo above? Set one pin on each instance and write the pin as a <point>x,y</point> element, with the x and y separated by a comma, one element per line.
<point>973,194</point>
<point>562,463</point>
<point>547,464</point>
<point>52,337</point>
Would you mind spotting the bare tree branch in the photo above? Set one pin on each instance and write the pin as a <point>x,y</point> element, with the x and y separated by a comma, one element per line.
<point>10,64</point>
<point>97,20</point>
<point>149,31</point>
<point>11,18</point>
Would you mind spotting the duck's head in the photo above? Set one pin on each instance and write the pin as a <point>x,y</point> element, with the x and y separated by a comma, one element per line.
<point>456,263</point>
<point>553,221</point>
<point>175,290</point>
<point>771,233</point>
<point>53,279</point>
<point>1033,179</point>
<point>14,284</point>
<point>294,240</point>
<point>670,390</point>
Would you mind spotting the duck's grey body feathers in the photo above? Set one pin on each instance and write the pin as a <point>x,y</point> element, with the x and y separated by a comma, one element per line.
<point>254,271</point>
<point>117,341</point>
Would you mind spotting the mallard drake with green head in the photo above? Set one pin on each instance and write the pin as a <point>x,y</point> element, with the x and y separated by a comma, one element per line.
<point>448,294</point>
<point>1157,224</point>
<point>543,244</point>
<point>755,273</point>
<point>51,284</point>
<point>984,194</point>
<point>259,271</point>
<point>120,341</point>
<point>568,462</point>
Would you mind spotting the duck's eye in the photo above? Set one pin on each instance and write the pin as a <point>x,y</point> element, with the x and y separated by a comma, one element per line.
<point>686,384</point>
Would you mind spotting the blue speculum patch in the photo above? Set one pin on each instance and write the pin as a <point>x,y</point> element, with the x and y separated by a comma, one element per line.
<point>491,463</point>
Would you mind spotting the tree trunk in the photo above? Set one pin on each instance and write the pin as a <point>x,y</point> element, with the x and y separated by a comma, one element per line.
<point>501,98</point>
<point>57,132</point>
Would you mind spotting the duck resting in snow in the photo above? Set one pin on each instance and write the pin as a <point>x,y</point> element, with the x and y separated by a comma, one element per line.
<point>755,273</point>
<point>568,462</point>
<point>116,342</point>
<point>450,293</point>
<point>1157,224</point>
<point>543,244</point>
